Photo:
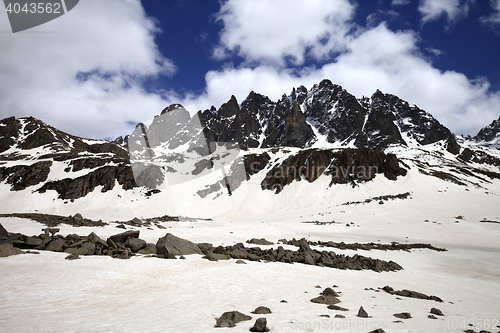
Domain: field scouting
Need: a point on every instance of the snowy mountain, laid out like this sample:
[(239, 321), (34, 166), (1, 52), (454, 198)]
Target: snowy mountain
[(216, 158)]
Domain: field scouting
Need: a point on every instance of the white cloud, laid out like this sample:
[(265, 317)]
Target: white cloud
[(111, 42), (261, 30), (400, 2), (493, 20), (432, 10)]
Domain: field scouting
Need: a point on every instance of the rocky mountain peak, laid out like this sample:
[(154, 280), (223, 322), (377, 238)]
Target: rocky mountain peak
[(490, 133)]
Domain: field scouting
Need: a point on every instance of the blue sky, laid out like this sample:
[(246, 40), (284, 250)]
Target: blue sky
[(106, 65)]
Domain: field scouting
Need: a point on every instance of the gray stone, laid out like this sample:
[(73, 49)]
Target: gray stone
[(339, 316), (261, 310), (403, 315), (239, 261), (437, 312), (325, 299), (7, 249), (378, 330), (86, 249), (122, 237), (135, 244), (329, 292), (51, 231), (149, 248), (56, 245), (231, 318), (260, 325), (169, 246), (260, 241), (337, 308), (97, 240), (72, 257), (33, 241), (362, 313), (238, 254)]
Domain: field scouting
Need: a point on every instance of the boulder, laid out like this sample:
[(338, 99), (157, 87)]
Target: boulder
[(135, 244), (56, 245), (329, 292), (149, 248), (261, 241), (231, 318), (122, 237), (86, 249), (378, 330), (328, 300), (72, 257), (51, 231), (97, 240), (3, 232), (362, 313), (32, 242), (261, 310), (437, 312), (7, 249), (260, 325), (169, 246), (403, 315), (337, 308)]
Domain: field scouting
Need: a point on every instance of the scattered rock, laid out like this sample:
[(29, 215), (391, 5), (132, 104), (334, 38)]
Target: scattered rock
[(337, 308), (328, 300), (411, 294), (329, 292), (7, 249), (437, 312), (261, 310), (362, 313), (72, 257), (261, 241), (239, 261), (283, 301), (51, 231), (325, 315), (431, 317), (231, 318), (149, 248), (379, 330), (121, 226), (403, 315), (260, 325), (339, 316)]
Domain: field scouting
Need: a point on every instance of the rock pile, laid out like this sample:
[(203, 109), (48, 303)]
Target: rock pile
[(304, 255)]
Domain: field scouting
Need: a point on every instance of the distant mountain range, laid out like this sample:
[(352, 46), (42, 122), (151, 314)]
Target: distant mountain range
[(317, 131)]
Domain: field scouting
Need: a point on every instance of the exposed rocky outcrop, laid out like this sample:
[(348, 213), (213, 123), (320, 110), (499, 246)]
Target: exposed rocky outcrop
[(346, 166), (490, 133), (304, 255), (54, 220)]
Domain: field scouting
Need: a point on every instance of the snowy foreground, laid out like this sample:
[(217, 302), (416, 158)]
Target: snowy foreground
[(46, 293)]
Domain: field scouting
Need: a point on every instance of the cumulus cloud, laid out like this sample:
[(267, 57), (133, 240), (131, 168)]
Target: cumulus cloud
[(272, 31), (454, 10), (400, 2), (83, 72)]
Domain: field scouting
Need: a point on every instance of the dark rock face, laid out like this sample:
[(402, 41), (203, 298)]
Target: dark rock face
[(231, 318), (170, 246), (344, 166), (490, 132), (23, 176), (74, 188)]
